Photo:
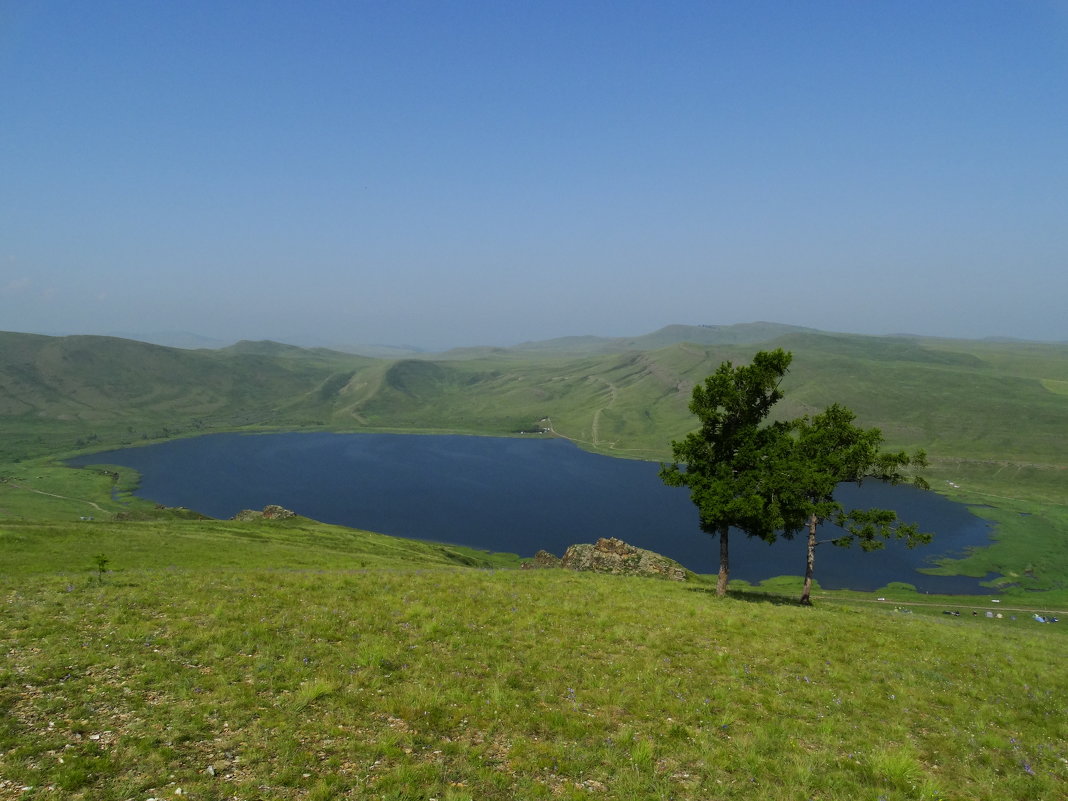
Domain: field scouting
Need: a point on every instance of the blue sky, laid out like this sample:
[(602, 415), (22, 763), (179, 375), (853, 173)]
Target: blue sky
[(486, 173)]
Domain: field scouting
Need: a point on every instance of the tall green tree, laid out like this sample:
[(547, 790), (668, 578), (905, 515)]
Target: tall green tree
[(827, 450), (727, 463)]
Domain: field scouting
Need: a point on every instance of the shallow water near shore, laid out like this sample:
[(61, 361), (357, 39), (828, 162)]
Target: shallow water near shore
[(520, 495)]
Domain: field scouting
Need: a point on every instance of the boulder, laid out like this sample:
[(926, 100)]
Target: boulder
[(542, 559), (270, 512), (611, 555)]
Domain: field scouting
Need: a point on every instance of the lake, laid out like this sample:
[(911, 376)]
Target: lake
[(519, 495)]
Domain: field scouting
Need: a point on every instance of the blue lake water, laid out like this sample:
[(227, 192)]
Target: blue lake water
[(519, 495)]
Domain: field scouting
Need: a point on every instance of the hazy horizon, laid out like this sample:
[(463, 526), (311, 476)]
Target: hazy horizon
[(193, 340), (440, 175)]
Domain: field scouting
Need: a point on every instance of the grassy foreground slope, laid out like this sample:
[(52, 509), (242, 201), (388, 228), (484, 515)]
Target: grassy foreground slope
[(331, 665)]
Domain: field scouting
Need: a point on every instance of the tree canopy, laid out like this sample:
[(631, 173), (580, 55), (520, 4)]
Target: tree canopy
[(768, 479), (726, 463), (824, 451)]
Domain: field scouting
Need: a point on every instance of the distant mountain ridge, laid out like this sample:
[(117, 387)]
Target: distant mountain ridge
[(737, 334), (172, 339), (703, 334)]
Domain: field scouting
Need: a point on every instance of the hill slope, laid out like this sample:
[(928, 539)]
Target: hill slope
[(739, 334), (397, 677), (57, 391)]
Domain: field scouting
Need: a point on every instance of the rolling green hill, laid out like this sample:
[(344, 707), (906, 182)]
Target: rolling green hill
[(59, 392), (955, 398), (992, 416), (741, 334)]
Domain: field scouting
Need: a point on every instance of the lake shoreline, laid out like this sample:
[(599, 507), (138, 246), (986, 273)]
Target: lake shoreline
[(460, 477)]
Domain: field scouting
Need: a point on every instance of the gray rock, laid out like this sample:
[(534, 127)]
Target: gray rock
[(542, 559), (270, 512), (611, 555)]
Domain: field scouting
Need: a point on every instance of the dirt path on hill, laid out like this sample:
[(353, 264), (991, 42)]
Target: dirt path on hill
[(94, 504), (613, 392)]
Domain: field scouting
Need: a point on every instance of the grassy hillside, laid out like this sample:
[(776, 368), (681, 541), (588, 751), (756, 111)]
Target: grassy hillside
[(741, 334), (992, 416), (59, 393), (150, 653), (191, 667), (169, 539), (963, 401)]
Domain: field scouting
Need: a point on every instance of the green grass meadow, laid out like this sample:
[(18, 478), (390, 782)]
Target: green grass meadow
[(424, 681)]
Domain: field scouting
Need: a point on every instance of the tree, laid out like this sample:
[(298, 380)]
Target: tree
[(827, 450), (727, 463)]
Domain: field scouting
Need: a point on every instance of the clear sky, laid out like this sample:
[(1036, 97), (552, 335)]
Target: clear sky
[(446, 173)]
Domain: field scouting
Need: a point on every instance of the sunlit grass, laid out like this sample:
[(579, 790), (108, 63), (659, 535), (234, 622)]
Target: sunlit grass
[(457, 683)]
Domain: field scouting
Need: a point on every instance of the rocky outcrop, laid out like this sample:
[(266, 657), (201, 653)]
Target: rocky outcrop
[(270, 512), (611, 555), (543, 559)]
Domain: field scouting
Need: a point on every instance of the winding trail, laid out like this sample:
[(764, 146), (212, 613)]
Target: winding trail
[(595, 425), (613, 392), (94, 504)]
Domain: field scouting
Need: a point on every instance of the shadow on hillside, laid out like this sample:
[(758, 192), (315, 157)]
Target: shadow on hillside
[(753, 597)]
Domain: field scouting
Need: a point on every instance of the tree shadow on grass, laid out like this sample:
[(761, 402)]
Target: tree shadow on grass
[(753, 597)]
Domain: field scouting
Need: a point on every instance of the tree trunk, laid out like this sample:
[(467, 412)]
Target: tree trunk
[(724, 562), (810, 561)]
